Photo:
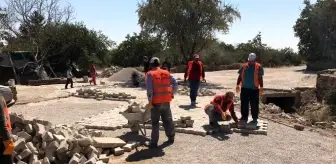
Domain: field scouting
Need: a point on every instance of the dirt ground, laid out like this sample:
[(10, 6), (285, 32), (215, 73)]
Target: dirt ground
[(282, 144)]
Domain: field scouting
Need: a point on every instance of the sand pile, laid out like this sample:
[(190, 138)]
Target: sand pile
[(123, 75)]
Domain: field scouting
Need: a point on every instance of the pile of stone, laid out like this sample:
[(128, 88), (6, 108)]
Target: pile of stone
[(270, 108), (38, 142), (184, 90), (100, 95), (107, 72), (184, 122)]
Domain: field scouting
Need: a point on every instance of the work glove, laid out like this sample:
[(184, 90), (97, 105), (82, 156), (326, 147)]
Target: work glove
[(261, 90), (223, 116), (237, 89), (9, 147)]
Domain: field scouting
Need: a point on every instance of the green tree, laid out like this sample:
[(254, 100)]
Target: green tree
[(188, 25), (316, 28), (131, 51)]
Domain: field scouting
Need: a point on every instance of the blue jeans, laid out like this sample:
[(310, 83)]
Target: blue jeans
[(193, 86)]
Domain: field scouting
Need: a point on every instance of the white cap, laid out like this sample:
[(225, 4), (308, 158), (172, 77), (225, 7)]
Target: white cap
[(154, 59), (252, 57)]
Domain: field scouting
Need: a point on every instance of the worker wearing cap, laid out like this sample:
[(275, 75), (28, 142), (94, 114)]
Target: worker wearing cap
[(221, 108), (161, 87), (7, 143), (250, 80), (194, 74)]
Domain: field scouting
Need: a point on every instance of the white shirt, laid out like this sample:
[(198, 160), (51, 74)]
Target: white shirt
[(69, 74)]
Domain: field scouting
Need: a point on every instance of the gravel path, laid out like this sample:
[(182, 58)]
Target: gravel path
[(64, 111), (281, 145)]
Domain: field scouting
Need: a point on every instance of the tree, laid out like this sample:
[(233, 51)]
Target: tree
[(316, 28), (19, 11), (131, 51), (188, 25)]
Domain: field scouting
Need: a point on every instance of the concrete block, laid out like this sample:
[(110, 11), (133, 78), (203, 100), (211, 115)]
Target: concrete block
[(118, 151), (63, 147), (19, 144), (53, 145), (128, 147), (107, 142), (29, 128), (83, 160), (76, 149), (32, 148), (15, 137), (62, 157), (85, 141), (39, 128), (47, 137), (44, 145), (16, 130), (92, 155), (101, 162), (25, 135), (106, 151), (104, 158), (189, 123), (93, 149), (21, 162)]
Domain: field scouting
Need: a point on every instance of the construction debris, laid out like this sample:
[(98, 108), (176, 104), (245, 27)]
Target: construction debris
[(99, 95), (38, 142), (108, 72), (184, 122), (271, 108), (184, 90)]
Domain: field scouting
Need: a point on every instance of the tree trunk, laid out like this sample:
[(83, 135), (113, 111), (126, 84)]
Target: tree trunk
[(14, 71)]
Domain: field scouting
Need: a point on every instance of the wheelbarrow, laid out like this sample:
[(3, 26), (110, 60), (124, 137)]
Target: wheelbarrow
[(138, 121)]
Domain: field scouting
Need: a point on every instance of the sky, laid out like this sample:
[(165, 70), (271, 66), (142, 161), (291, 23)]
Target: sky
[(273, 18)]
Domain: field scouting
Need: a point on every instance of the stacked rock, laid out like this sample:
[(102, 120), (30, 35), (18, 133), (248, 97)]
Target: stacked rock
[(38, 142), (184, 90), (184, 122), (110, 71), (99, 95)]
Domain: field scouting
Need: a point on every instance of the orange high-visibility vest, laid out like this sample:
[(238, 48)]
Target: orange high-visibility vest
[(162, 90), (190, 64), (256, 74), (6, 113), (222, 98)]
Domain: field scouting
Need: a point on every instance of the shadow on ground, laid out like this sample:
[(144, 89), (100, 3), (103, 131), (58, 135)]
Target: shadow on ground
[(215, 133)]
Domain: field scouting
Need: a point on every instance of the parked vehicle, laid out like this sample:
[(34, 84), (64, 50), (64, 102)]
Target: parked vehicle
[(7, 94)]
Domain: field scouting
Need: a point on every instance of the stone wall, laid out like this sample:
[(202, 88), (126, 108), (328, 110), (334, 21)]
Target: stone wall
[(324, 83)]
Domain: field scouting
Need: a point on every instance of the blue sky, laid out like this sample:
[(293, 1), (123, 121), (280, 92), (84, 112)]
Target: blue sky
[(273, 18)]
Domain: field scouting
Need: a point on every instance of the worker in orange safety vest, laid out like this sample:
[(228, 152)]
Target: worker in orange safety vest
[(221, 108), (250, 85), (161, 87), (7, 143), (194, 74)]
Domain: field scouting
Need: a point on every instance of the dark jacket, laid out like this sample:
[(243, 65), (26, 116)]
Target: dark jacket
[(195, 72), (146, 66), (166, 65)]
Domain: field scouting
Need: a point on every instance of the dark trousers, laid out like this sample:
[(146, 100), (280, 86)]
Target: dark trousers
[(215, 116), (249, 97), (163, 111), (193, 86), (69, 81), (4, 159)]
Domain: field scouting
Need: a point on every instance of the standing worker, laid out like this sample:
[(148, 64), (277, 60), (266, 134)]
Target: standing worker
[(69, 78), (93, 73), (250, 80), (161, 87), (166, 65), (146, 64), (7, 143), (219, 107), (194, 74)]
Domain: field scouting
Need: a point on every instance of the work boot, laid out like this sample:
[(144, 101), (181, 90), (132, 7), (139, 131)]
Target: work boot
[(151, 145), (171, 140), (254, 121), (214, 124), (193, 104)]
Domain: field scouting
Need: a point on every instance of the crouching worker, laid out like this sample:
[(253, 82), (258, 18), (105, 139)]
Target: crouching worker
[(161, 87), (221, 108), (7, 143)]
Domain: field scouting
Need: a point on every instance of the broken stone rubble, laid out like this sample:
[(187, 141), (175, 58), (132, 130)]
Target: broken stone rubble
[(99, 95), (58, 144)]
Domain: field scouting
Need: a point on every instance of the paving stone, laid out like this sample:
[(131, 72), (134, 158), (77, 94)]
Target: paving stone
[(106, 151), (47, 136), (53, 145), (29, 128), (83, 160), (101, 162), (91, 161), (15, 137), (62, 157), (45, 161), (118, 151), (74, 160), (24, 154), (107, 142), (84, 141), (104, 158), (21, 162), (189, 123), (63, 147), (25, 135), (128, 147), (19, 144), (40, 129), (32, 148)]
